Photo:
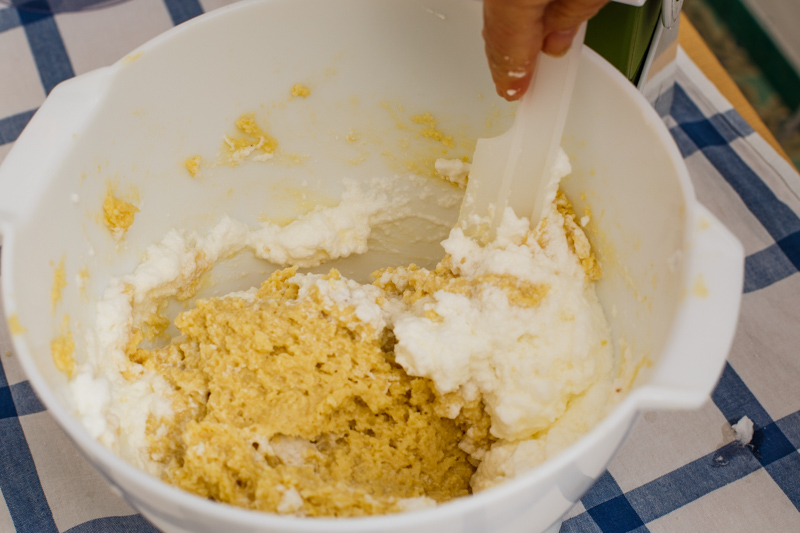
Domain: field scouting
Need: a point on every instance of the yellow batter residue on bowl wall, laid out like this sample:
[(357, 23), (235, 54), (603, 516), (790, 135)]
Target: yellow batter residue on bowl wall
[(62, 348), (59, 282), (118, 215), (700, 289), (430, 131), (130, 58), (425, 143), (15, 326), (352, 136)]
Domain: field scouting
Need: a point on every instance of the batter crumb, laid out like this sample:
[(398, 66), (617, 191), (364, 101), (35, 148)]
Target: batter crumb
[(236, 150), (192, 164), (577, 239), (298, 89), (59, 282), (118, 214), (62, 349)]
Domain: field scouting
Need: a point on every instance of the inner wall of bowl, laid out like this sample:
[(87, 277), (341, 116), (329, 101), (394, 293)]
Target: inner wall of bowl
[(370, 66), (625, 179)]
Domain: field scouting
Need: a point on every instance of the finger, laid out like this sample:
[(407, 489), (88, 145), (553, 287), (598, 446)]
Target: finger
[(513, 32), (557, 43), (562, 15), (561, 21)]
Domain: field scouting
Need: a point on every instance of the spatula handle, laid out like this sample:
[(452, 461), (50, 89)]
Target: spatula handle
[(513, 169), (529, 185)]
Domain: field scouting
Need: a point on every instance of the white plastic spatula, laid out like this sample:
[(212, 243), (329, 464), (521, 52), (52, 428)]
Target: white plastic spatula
[(513, 168)]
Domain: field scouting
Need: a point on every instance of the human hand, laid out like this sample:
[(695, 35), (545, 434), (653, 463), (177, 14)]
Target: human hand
[(516, 30)]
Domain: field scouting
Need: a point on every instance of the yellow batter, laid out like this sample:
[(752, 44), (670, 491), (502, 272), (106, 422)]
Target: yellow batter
[(291, 405), (294, 405), (577, 239)]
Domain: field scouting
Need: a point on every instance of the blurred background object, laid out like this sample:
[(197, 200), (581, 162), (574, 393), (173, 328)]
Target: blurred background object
[(758, 44), (640, 38), (57, 6)]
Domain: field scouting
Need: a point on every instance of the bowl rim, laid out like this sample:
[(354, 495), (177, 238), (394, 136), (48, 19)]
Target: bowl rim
[(106, 461)]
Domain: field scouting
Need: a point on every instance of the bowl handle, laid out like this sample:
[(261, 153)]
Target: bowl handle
[(706, 320), (40, 149)]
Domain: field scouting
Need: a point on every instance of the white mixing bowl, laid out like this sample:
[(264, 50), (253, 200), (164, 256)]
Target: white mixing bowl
[(673, 273)]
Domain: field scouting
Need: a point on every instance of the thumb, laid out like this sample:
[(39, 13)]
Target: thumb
[(561, 21)]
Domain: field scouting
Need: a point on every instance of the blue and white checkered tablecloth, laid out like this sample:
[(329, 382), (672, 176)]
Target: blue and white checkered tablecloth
[(677, 472)]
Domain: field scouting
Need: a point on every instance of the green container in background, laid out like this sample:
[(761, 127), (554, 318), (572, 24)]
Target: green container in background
[(622, 34)]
